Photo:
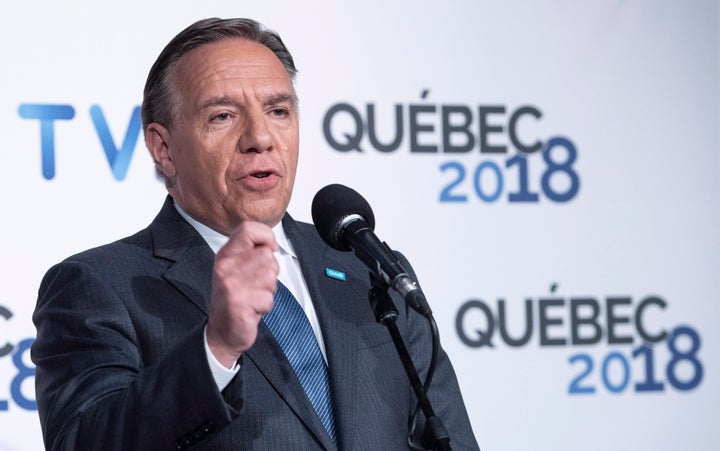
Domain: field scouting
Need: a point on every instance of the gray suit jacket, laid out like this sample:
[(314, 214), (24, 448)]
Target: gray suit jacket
[(121, 363)]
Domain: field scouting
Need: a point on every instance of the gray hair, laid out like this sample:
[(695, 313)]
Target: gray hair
[(158, 102)]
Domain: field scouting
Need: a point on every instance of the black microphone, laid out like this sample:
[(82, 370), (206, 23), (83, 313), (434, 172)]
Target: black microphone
[(344, 219)]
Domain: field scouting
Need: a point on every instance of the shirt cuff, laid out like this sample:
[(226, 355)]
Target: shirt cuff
[(221, 375)]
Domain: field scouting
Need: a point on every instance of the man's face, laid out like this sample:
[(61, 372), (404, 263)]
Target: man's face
[(231, 151)]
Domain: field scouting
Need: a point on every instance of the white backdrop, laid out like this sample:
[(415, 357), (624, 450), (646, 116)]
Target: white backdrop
[(607, 234)]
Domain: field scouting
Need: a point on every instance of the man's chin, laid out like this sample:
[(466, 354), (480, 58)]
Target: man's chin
[(270, 218)]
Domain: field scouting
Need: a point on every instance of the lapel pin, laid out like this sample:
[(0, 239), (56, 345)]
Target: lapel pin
[(335, 274)]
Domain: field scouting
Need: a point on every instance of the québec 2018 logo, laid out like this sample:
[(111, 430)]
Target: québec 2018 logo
[(453, 130), (578, 321)]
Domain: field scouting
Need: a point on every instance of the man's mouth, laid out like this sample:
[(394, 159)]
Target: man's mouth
[(261, 175)]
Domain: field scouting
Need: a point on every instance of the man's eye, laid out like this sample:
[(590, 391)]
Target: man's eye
[(279, 112), (222, 117)]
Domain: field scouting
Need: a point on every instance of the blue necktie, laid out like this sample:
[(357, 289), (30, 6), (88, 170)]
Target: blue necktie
[(290, 327)]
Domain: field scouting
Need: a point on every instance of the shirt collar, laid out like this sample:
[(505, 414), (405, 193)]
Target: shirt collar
[(216, 240)]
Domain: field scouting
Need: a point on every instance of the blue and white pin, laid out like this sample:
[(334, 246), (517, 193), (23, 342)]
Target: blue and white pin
[(335, 274)]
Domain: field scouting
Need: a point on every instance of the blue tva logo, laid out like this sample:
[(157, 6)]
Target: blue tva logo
[(118, 157)]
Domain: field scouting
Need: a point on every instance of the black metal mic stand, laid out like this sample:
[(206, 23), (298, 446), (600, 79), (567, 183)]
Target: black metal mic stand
[(435, 436)]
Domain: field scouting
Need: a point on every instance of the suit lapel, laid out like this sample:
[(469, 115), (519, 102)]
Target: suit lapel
[(270, 360), (192, 259), (339, 314)]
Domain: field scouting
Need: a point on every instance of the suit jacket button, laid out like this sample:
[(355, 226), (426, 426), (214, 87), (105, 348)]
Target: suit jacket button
[(208, 426), (184, 443)]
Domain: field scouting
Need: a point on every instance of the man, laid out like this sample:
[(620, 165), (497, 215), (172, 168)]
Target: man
[(165, 340)]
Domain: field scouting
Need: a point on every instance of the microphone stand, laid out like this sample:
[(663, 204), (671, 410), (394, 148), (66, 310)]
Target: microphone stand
[(435, 436)]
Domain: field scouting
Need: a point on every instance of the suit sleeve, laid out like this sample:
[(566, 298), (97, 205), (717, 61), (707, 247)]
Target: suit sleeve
[(93, 389)]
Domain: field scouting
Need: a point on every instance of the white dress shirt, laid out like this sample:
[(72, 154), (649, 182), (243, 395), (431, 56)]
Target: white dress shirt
[(290, 275)]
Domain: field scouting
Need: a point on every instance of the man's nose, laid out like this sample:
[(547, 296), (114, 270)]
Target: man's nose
[(255, 135)]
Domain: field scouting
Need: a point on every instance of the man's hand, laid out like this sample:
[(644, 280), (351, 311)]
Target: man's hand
[(243, 286)]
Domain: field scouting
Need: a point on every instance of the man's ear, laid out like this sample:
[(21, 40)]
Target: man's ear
[(157, 139)]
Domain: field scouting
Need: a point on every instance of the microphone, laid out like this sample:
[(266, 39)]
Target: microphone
[(345, 221)]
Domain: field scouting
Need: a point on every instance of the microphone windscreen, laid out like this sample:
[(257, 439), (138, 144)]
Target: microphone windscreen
[(331, 206)]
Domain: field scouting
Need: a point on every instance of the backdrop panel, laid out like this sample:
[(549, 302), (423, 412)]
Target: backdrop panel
[(550, 168)]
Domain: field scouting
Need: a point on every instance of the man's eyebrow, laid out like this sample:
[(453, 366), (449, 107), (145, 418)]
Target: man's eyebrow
[(217, 101), (284, 97)]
